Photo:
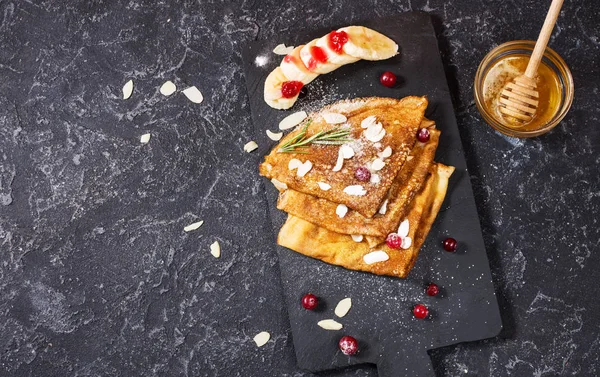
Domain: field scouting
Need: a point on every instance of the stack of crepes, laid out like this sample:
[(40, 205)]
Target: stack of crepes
[(338, 216)]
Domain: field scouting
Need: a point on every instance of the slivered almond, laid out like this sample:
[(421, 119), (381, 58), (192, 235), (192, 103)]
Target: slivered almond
[(383, 208), (403, 228), (294, 163), (347, 151), (343, 307), (341, 210), (279, 185), (375, 178), (368, 121), (357, 237), (378, 164), (304, 168), (281, 49), (262, 338), (145, 138), (127, 89), (406, 242), (193, 94), (330, 324), (215, 249), (167, 88), (355, 190), (250, 146), (324, 186), (376, 257), (334, 118), (292, 120), (275, 136), (193, 226), (340, 161), (387, 152)]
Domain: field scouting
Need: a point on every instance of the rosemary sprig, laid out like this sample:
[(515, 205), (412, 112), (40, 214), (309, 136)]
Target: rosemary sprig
[(335, 136)]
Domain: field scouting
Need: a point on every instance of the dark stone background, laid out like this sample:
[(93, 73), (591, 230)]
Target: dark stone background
[(97, 277)]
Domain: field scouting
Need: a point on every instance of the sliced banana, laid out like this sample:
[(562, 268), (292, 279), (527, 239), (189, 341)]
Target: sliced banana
[(272, 91), (314, 64), (294, 69), (365, 43), (332, 56)]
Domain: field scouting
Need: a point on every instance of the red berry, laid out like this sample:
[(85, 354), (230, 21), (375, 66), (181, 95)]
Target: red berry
[(362, 174), (450, 244), (420, 311), (432, 289), (337, 40), (388, 79), (423, 135), (348, 345), (393, 240), (309, 301), (290, 89)]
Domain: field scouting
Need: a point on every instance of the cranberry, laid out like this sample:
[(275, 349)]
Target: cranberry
[(348, 345), (362, 174), (309, 301), (393, 240), (290, 89), (423, 135), (432, 289), (337, 40), (450, 244), (388, 79), (420, 311)]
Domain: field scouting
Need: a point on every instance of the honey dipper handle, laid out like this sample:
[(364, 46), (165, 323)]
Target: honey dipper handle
[(543, 38)]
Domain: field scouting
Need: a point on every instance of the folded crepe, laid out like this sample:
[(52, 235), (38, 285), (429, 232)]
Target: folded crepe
[(340, 249), (400, 120)]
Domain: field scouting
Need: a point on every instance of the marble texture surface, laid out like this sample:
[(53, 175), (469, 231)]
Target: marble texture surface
[(97, 276)]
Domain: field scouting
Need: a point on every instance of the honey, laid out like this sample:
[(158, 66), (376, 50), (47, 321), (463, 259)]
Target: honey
[(504, 71)]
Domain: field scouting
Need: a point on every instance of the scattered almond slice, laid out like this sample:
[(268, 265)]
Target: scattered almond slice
[(378, 164), (374, 133), (341, 210), (340, 161), (294, 163), (281, 49), (262, 338), (292, 120), (168, 88), (368, 121), (355, 190), (403, 228), (127, 89), (330, 324), (383, 208), (215, 249), (193, 226), (347, 151), (357, 237), (409, 158), (304, 168), (324, 186), (145, 138), (250, 146), (334, 118), (375, 179), (376, 257), (275, 136), (343, 307), (387, 152), (193, 94), (279, 185), (406, 242)]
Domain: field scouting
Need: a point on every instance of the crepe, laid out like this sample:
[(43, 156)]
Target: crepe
[(400, 119), (407, 183), (340, 249)]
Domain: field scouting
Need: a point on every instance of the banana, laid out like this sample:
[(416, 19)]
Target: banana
[(315, 58), (294, 69), (272, 91), (335, 57), (365, 43)]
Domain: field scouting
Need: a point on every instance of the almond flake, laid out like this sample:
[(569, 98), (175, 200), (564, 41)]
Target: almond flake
[(168, 88), (340, 161), (341, 210), (193, 94), (387, 152), (294, 164), (304, 168), (368, 121), (375, 179), (406, 242), (343, 307), (215, 249), (378, 164), (324, 186), (193, 226), (334, 118), (262, 338), (250, 146), (383, 208), (279, 185), (355, 190), (145, 138), (375, 257), (357, 237), (281, 49), (292, 120), (375, 132), (330, 324), (403, 228), (409, 158), (127, 89), (377, 145), (347, 151), (275, 136)]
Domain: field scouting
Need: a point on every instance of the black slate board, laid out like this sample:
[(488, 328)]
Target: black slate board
[(381, 316)]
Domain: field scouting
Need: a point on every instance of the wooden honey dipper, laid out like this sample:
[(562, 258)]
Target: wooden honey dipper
[(519, 98)]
